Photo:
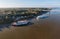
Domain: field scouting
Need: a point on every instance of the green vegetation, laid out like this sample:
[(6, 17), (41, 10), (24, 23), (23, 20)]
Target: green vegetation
[(11, 15)]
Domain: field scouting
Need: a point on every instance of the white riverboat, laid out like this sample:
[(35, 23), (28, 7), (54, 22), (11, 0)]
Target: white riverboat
[(21, 22)]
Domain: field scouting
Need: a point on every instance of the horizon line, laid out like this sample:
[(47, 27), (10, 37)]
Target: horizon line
[(29, 7)]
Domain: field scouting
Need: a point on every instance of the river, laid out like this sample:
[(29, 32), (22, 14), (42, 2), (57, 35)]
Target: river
[(47, 28)]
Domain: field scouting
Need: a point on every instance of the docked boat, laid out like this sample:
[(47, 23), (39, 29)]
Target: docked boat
[(21, 23)]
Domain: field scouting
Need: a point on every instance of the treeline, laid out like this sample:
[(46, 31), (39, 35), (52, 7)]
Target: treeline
[(22, 14)]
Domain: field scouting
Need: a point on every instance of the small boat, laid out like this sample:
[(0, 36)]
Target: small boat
[(21, 23), (42, 17)]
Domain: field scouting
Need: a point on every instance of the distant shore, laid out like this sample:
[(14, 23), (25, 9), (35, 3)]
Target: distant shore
[(9, 15)]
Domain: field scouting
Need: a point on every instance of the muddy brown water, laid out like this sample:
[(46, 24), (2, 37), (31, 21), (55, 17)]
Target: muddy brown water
[(42, 29)]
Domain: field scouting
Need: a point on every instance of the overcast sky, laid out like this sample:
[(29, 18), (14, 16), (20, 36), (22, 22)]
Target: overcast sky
[(29, 3)]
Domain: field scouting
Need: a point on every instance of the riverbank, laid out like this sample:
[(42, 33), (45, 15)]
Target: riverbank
[(42, 29), (26, 13)]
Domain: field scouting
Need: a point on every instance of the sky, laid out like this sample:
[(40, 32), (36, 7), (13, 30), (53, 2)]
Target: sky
[(29, 3)]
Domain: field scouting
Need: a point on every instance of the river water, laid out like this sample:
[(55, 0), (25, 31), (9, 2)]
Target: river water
[(47, 28)]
